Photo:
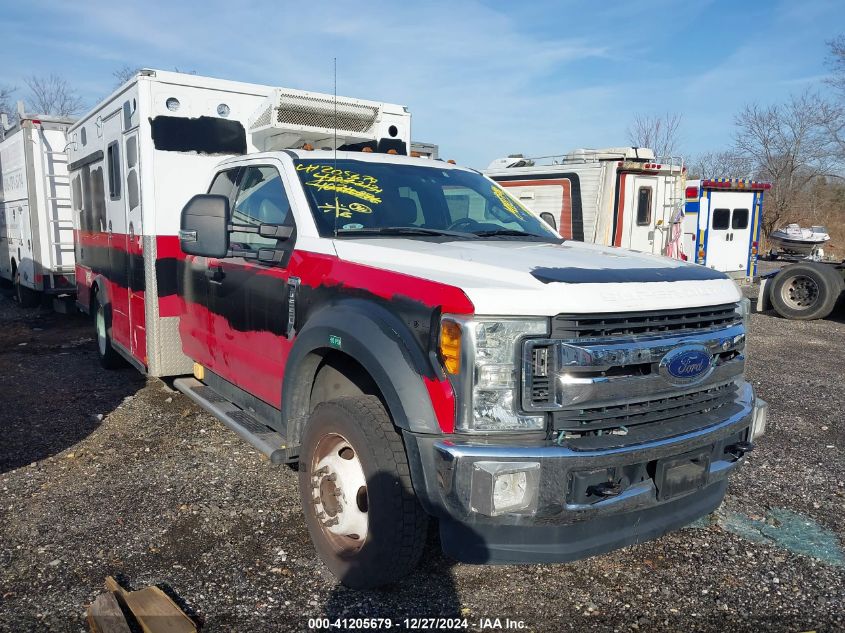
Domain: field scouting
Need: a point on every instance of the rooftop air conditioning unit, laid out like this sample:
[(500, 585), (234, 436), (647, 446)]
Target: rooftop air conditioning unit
[(289, 118)]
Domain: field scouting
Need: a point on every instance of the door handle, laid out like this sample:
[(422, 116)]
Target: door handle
[(215, 275)]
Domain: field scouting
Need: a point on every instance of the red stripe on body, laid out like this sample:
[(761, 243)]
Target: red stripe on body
[(255, 360), (620, 215)]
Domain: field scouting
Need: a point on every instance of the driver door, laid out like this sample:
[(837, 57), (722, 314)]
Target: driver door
[(248, 299)]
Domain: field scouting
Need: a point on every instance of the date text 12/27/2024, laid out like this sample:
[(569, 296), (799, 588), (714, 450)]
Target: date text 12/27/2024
[(414, 624)]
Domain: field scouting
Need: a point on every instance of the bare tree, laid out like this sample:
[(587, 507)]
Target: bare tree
[(6, 93), (658, 132), (124, 74), (53, 95), (836, 63), (791, 146), (721, 165)]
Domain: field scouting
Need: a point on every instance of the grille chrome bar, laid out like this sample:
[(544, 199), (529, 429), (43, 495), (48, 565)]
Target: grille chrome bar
[(627, 324), (606, 373)]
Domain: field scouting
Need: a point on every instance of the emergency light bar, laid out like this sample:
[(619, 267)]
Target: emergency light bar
[(290, 118), (735, 183), (630, 165)]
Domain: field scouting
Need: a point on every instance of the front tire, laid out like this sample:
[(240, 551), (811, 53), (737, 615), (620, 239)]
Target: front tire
[(109, 358), (354, 482), (806, 291)]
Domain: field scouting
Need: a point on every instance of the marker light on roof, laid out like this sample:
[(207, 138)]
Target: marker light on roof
[(223, 110), (172, 104)]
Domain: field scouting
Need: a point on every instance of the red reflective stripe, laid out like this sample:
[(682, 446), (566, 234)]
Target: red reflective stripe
[(620, 215)]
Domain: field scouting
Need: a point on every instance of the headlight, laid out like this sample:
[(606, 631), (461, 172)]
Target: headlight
[(487, 374), (744, 310)]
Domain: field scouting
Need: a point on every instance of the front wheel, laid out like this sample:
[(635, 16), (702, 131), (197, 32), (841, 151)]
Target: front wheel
[(354, 481)]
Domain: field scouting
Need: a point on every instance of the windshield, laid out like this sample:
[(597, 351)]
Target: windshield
[(351, 197)]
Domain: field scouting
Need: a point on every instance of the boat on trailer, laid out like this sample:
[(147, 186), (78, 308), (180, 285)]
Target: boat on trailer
[(794, 240)]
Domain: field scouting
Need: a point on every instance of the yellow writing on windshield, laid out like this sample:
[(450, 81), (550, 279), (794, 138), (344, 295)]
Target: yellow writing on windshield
[(344, 211), (510, 205), (350, 183)]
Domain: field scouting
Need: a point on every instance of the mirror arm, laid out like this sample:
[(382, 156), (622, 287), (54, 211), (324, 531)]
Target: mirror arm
[(278, 231)]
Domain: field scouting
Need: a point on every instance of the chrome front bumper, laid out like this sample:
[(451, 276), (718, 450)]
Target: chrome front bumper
[(563, 521), (447, 478)]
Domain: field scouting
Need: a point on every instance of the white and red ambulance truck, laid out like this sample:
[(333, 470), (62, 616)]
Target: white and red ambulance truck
[(36, 227), (618, 196), (416, 339), (722, 223)]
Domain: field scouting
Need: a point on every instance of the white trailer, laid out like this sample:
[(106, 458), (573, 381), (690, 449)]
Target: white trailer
[(36, 228), (138, 157), (722, 220), (619, 196)]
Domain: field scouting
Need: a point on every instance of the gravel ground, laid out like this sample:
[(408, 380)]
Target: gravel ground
[(108, 473)]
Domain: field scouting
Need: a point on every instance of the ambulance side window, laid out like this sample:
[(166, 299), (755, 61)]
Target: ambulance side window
[(644, 206), (261, 199), (721, 219), (113, 156), (739, 219)]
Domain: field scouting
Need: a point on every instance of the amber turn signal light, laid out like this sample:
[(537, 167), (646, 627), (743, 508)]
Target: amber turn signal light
[(450, 346)]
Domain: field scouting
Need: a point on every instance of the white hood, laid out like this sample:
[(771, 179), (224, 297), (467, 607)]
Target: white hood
[(504, 277)]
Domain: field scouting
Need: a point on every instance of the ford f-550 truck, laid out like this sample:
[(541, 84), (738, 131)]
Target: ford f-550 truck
[(422, 345)]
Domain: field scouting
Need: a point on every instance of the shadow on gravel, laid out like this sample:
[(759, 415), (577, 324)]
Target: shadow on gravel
[(53, 391)]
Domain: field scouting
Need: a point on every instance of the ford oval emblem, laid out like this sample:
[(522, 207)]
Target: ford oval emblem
[(686, 365)]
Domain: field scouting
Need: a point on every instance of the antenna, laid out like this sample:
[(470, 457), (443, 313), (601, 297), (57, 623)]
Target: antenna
[(334, 171)]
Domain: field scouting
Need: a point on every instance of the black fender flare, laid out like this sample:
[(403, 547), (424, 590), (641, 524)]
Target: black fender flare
[(383, 345)]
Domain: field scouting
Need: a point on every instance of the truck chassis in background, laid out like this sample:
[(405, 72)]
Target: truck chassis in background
[(803, 291)]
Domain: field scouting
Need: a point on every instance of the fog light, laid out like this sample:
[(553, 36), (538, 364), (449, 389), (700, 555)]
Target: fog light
[(760, 418), (503, 487)]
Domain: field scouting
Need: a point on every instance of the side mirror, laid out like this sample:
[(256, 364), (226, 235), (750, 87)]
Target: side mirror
[(204, 226), (549, 219)]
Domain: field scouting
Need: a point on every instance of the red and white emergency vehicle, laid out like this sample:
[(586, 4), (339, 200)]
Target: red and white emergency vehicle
[(416, 339), (36, 227), (618, 196), (722, 222)]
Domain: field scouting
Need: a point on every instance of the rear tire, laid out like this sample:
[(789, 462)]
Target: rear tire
[(109, 358), (27, 297), (354, 482), (806, 291)]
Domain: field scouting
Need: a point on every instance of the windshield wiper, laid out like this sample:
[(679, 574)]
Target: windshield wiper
[(403, 230)]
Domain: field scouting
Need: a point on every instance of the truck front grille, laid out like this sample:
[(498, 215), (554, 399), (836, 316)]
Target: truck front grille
[(601, 378), (621, 417), (623, 324)]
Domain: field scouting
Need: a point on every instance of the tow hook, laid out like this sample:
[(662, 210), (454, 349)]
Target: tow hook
[(606, 489), (738, 450)]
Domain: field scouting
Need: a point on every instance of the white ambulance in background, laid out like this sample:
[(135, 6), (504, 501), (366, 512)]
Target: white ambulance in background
[(722, 218), (36, 225), (618, 196)]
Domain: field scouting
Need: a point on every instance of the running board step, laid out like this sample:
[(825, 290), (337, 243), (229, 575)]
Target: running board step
[(244, 423)]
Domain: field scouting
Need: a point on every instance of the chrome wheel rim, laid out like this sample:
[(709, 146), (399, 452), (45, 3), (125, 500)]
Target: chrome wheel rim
[(339, 493), (800, 293), (101, 330)]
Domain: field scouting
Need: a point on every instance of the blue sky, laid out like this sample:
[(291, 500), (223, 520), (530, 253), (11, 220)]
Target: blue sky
[(482, 79)]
